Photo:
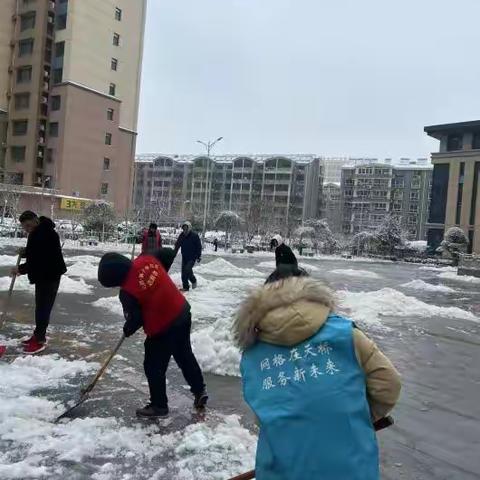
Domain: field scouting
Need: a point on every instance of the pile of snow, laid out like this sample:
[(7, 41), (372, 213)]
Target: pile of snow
[(67, 285), (271, 265), (31, 446), (438, 269), (112, 304), (21, 284), (350, 272), (83, 258), (418, 245), (222, 268), (8, 260), (83, 269), (449, 275), (427, 287), (369, 307)]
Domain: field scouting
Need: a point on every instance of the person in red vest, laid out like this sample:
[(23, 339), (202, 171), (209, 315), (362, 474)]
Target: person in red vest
[(151, 240), (151, 300)]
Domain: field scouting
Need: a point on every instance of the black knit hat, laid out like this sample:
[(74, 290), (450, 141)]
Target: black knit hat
[(113, 270)]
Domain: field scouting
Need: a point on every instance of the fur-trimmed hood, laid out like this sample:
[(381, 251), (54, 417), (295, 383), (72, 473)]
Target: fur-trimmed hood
[(283, 313)]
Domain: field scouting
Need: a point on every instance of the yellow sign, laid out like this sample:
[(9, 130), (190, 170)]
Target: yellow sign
[(73, 204)]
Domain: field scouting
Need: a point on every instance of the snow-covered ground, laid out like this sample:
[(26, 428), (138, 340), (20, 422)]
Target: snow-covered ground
[(380, 296)]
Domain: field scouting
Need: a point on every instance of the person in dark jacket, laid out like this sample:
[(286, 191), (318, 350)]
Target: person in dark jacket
[(283, 253), (151, 239), (151, 300), (191, 246), (44, 266)]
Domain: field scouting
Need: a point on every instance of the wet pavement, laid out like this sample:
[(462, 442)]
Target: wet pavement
[(437, 430)]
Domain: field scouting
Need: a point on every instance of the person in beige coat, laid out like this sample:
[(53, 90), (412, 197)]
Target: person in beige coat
[(303, 364)]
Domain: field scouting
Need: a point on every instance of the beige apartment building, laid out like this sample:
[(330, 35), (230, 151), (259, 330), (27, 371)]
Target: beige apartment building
[(69, 94), (455, 183)]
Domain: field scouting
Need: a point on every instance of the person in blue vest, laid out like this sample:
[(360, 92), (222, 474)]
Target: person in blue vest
[(315, 382)]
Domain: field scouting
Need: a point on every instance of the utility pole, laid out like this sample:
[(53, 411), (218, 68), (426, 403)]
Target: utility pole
[(208, 147)]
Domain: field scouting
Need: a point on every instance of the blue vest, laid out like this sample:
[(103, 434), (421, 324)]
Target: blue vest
[(312, 405)]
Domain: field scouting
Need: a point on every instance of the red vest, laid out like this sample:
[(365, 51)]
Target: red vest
[(158, 240), (159, 298)]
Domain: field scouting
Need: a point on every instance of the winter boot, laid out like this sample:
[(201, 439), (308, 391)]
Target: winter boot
[(34, 347), (26, 340), (201, 399), (194, 285), (183, 289), (150, 411)]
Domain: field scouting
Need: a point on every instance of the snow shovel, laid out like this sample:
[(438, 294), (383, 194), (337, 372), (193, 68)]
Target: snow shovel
[(6, 306), (85, 392), (384, 422)]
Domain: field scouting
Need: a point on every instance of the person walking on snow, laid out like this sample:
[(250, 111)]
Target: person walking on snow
[(315, 382), (151, 239), (191, 246), (283, 253), (151, 300), (44, 266)]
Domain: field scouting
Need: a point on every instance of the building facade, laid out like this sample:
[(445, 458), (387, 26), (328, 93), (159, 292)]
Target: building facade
[(269, 189), (69, 93), (455, 184), (331, 209), (370, 192)]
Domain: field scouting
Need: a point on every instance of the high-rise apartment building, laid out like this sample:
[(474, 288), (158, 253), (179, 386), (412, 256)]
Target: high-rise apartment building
[(456, 185), (69, 93), (370, 192), (283, 190)]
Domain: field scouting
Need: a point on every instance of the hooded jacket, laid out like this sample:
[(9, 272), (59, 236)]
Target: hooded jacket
[(314, 381), (44, 258), (190, 245), (292, 310)]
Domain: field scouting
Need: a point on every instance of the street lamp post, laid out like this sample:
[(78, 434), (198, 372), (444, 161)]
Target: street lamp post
[(208, 147)]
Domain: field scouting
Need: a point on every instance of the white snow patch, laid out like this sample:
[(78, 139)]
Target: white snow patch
[(112, 304), (83, 269), (69, 285), (222, 268), (351, 272), (427, 287), (459, 278), (438, 269), (21, 284), (8, 260), (83, 258), (369, 307)]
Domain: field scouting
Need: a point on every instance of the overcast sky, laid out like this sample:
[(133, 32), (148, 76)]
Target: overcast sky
[(333, 77)]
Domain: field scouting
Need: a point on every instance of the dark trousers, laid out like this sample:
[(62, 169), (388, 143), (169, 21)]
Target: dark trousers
[(45, 295), (158, 350), (187, 273)]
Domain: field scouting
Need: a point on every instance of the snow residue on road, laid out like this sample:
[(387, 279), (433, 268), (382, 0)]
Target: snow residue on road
[(83, 269), (112, 304), (369, 307), (449, 275), (69, 285), (220, 267), (427, 287), (438, 269), (21, 284), (31, 446), (350, 272)]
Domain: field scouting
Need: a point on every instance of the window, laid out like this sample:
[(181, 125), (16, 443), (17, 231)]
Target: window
[(25, 47), (114, 64), (27, 21), (57, 76), (454, 142), (397, 206), (56, 102), (413, 208), (18, 153), (108, 139), (414, 195), (112, 89), (110, 112), (106, 163), (20, 127), (24, 74), (61, 21), (476, 141), (53, 129), (59, 49), (104, 189), (461, 179), (118, 14), (116, 39), (22, 101)]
